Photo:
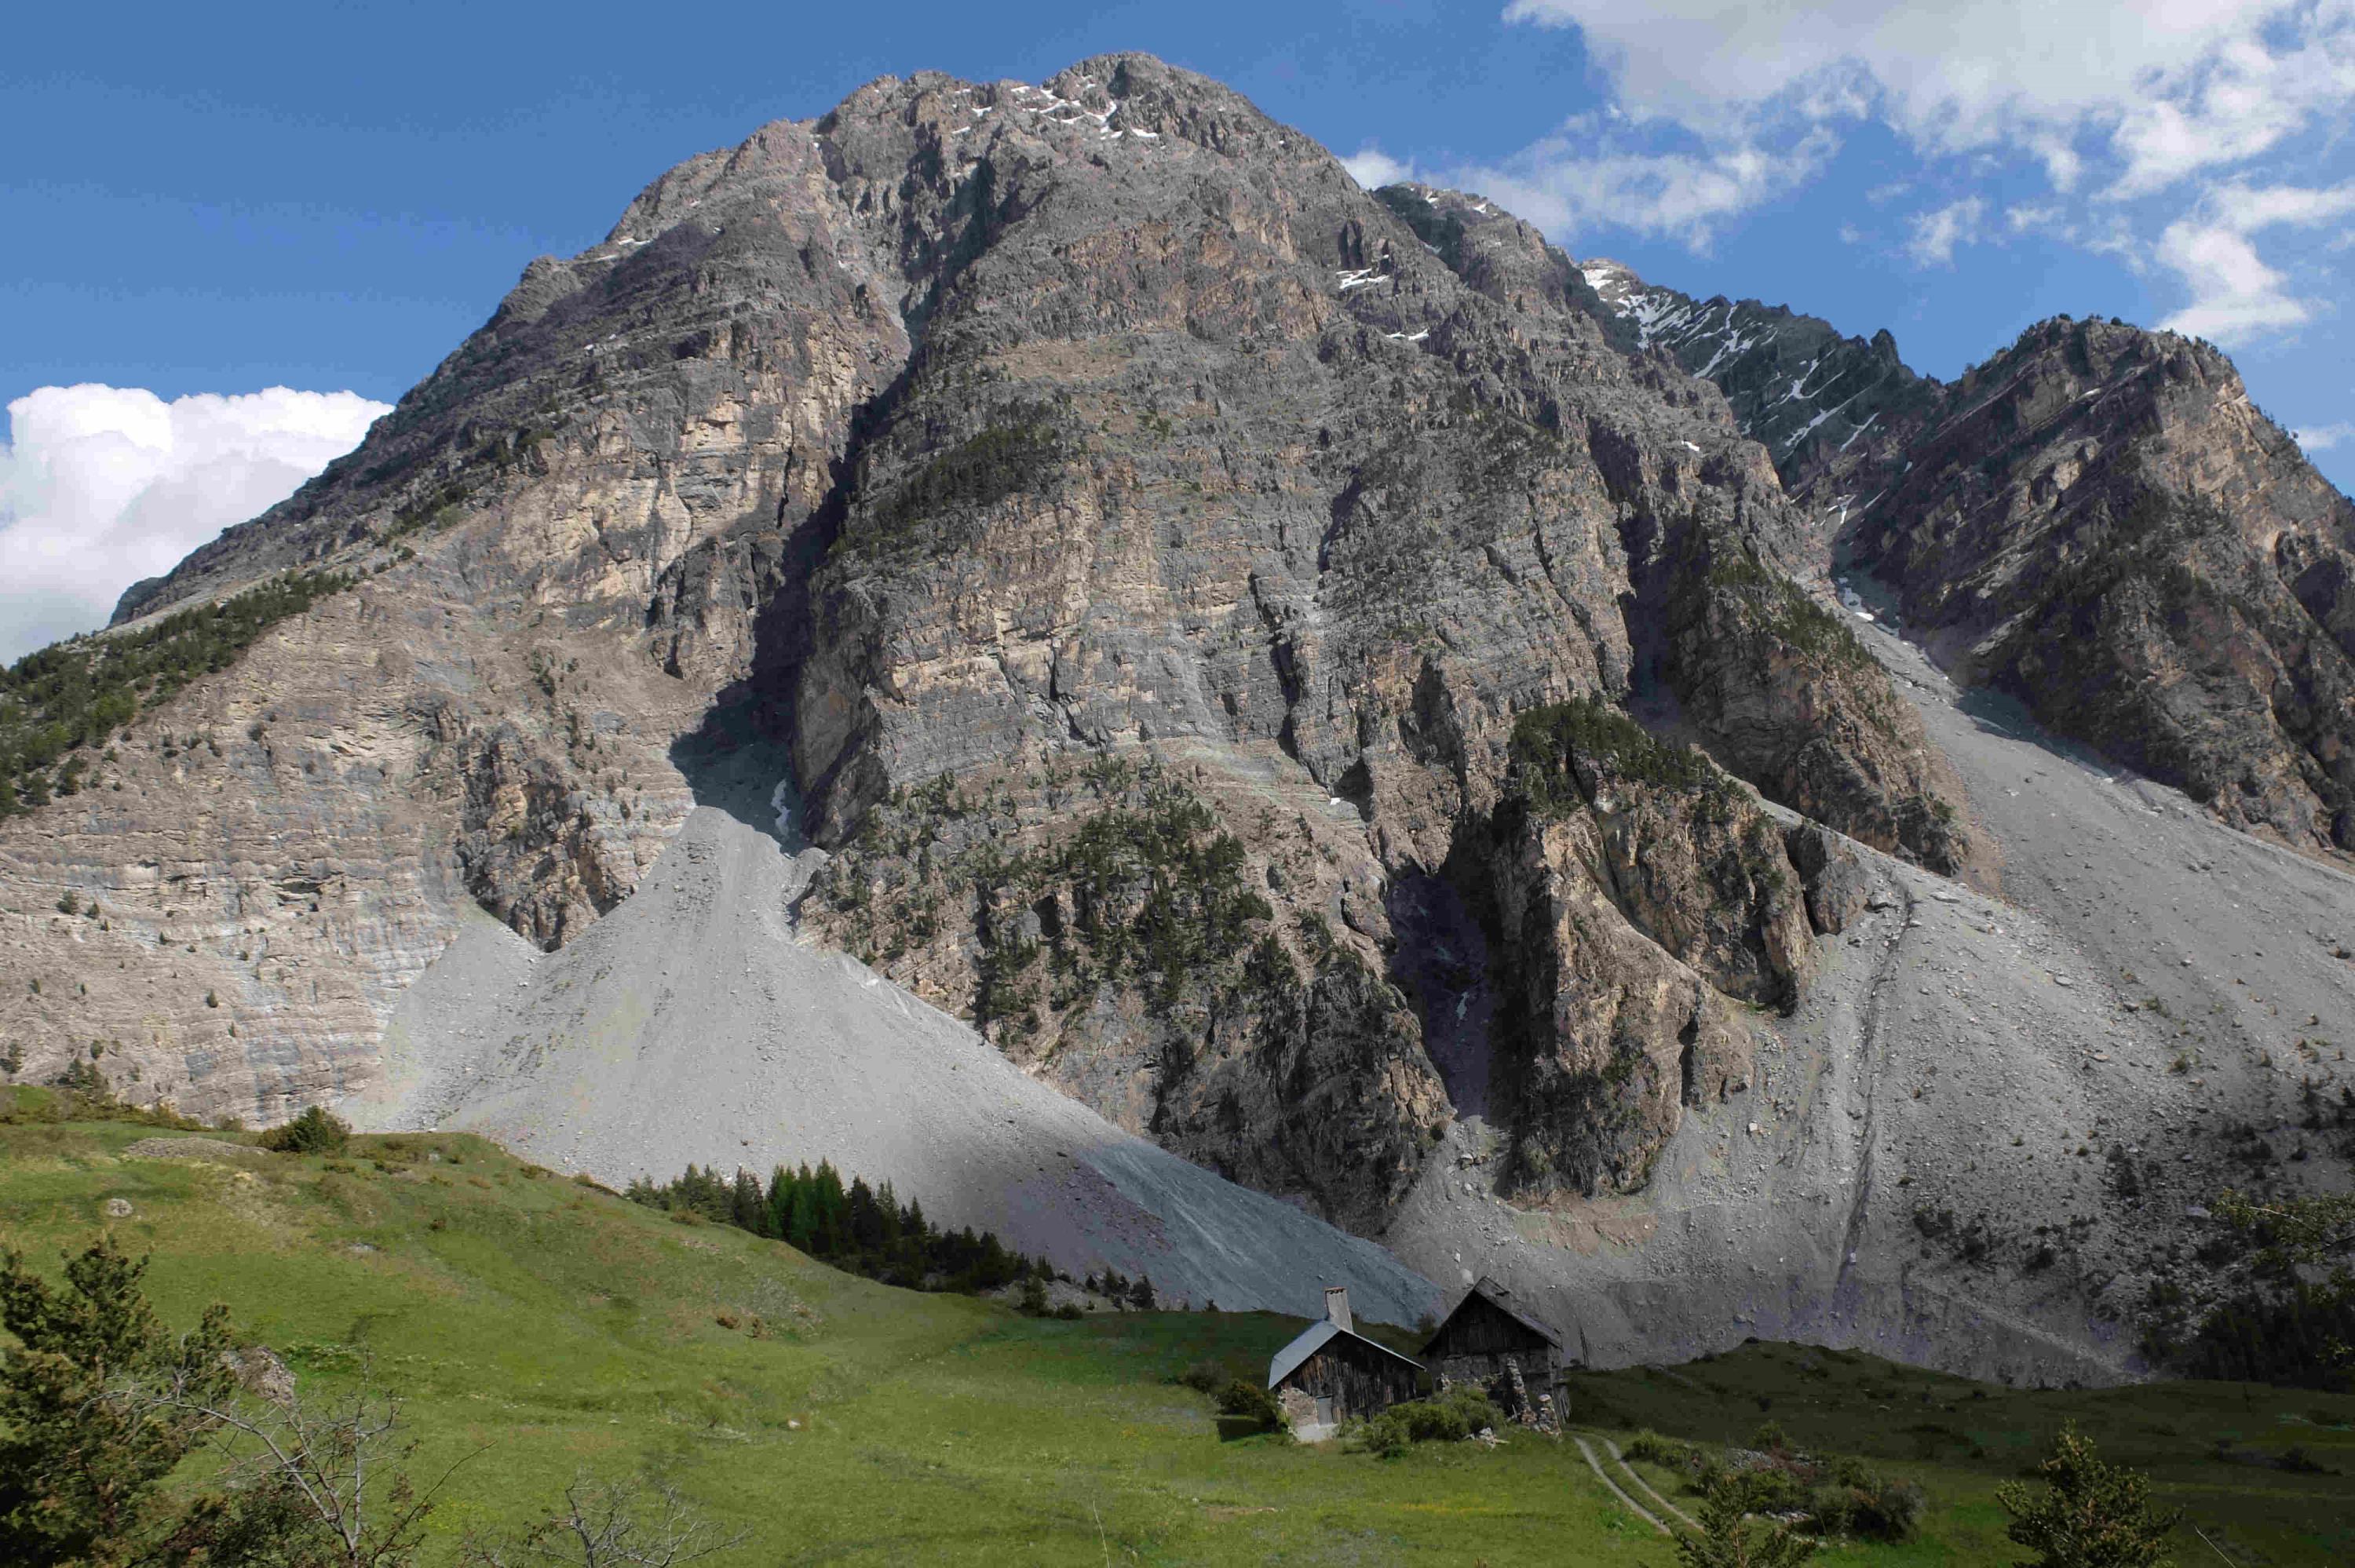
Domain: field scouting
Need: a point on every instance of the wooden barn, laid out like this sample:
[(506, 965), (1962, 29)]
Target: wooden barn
[(1332, 1374), (1490, 1344)]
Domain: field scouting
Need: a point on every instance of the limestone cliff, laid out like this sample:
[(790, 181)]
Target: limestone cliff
[(2098, 520), (1139, 544)]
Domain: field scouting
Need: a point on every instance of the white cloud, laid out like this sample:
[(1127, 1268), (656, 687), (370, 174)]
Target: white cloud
[(1586, 175), (2236, 294), (1372, 168), (2322, 438), (1936, 233), (2113, 101), (1958, 74), (101, 486)]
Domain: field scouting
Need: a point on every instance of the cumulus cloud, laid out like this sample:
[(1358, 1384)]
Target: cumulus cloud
[(1579, 177), (1936, 233), (101, 486), (1372, 168), (2322, 438), (1956, 74), (2115, 101), (2236, 294)]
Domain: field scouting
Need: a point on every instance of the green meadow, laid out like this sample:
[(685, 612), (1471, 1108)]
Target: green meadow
[(539, 1328)]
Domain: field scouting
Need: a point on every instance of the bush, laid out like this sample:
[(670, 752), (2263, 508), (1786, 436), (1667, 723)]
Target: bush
[(2085, 1501), (1202, 1376), (1729, 1538), (315, 1131), (1248, 1400), (1862, 1502), (1384, 1435), (1451, 1418), (1653, 1448)]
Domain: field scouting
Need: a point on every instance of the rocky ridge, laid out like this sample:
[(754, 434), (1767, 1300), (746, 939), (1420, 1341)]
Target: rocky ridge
[(1203, 603), (2098, 520)]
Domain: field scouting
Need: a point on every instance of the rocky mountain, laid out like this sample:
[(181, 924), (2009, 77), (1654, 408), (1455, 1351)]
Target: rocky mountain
[(2098, 520), (1796, 385), (1318, 678)]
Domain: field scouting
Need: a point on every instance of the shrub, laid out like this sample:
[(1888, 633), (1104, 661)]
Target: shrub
[(1451, 1418), (1248, 1400), (1653, 1448), (1860, 1501), (315, 1131), (1384, 1435), (1202, 1376), (1728, 1539)]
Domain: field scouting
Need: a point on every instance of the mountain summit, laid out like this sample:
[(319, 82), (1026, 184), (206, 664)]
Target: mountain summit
[(1319, 678)]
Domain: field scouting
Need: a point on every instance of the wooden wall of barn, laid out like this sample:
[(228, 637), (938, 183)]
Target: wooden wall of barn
[(1359, 1381)]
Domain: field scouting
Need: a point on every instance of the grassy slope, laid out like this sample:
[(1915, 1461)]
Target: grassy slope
[(566, 1328)]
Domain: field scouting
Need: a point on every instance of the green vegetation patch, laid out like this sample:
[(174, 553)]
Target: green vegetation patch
[(1138, 884), (859, 1229), (1784, 611), (1562, 754), (933, 508), (539, 1329), (58, 703)]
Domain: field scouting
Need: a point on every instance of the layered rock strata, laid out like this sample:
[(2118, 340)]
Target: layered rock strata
[(975, 435)]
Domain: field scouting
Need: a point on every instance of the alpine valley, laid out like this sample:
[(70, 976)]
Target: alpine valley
[(1038, 642)]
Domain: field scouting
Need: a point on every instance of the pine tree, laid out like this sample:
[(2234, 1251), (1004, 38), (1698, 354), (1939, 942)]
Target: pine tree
[(83, 1440), (2093, 1515), (833, 1206), (746, 1210), (1728, 1539), (866, 1220), (779, 1222), (801, 1224)]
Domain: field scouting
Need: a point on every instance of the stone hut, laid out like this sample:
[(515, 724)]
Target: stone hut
[(1332, 1374), (1490, 1344)]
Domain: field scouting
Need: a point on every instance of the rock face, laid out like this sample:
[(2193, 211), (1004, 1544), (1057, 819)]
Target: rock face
[(1335, 687), (1796, 385), (2101, 522), (2098, 521), (1142, 545)]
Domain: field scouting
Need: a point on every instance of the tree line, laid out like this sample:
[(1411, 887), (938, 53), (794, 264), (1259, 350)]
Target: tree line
[(60, 702), (856, 1228)]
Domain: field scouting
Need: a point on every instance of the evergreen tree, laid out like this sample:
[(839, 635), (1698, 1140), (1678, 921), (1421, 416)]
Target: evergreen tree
[(84, 1434), (833, 1206), (865, 1221), (2091, 1515), (1728, 1539), (747, 1209), (779, 1224), (801, 1225)]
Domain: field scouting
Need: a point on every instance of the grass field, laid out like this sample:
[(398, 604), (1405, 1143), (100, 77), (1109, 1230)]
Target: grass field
[(556, 1328)]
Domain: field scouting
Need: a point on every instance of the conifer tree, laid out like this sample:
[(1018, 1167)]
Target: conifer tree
[(2091, 1514), (82, 1450), (747, 1211)]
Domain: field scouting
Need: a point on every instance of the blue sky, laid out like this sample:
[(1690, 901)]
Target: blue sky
[(206, 204)]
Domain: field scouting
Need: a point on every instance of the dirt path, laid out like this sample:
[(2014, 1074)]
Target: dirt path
[(1639, 1510), (1973, 1143), (1649, 1490)]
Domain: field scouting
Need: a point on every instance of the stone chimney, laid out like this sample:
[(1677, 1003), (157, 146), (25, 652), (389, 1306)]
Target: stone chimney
[(1337, 1307)]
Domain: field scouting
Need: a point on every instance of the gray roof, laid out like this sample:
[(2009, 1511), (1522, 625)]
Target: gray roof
[(1501, 1299), (1313, 1339)]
